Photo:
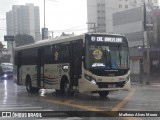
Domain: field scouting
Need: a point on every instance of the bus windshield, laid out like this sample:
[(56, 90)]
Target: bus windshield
[(107, 56)]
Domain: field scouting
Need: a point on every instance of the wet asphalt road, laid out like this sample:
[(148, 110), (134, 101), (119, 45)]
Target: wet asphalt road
[(140, 98)]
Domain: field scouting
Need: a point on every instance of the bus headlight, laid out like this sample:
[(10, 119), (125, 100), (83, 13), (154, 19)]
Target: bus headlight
[(89, 78), (5, 75), (124, 79), (93, 81)]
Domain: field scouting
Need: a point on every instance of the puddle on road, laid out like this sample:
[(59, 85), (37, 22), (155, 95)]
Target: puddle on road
[(43, 92)]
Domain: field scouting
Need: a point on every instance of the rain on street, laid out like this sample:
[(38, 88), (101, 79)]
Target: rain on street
[(138, 98)]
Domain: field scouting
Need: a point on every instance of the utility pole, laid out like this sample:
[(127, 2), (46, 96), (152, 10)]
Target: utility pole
[(94, 26), (148, 26), (148, 56), (51, 33), (44, 15), (44, 30)]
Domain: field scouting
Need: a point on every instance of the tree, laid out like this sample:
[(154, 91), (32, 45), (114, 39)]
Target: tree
[(23, 39), (1, 46), (1, 49)]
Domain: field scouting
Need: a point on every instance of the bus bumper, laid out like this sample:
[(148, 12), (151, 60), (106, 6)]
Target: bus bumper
[(87, 86)]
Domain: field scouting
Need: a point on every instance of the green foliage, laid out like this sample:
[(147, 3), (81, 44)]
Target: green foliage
[(23, 39), (1, 46)]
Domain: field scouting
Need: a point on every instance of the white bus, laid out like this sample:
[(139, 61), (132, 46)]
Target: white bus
[(93, 62)]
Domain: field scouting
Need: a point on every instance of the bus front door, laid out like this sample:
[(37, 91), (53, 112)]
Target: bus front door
[(40, 68), (75, 62)]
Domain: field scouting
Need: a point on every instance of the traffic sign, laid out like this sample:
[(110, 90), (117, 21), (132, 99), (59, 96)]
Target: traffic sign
[(8, 38)]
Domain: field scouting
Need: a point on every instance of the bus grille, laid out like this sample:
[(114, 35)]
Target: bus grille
[(106, 84), (99, 72)]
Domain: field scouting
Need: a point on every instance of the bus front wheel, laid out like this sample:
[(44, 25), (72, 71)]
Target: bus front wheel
[(103, 94), (65, 88)]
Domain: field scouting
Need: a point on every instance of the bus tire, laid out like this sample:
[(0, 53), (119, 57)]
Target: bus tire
[(103, 94), (29, 87), (58, 92), (65, 88), (71, 93), (35, 89)]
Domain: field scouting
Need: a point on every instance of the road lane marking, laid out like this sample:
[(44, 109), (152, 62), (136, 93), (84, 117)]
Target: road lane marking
[(82, 107), (94, 109), (125, 100), (39, 110), (130, 118), (68, 118), (73, 105), (70, 101), (8, 108), (14, 105)]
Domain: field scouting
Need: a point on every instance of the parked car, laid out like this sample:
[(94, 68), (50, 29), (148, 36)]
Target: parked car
[(6, 70)]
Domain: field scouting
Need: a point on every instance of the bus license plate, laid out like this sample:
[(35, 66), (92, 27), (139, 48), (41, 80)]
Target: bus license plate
[(111, 85)]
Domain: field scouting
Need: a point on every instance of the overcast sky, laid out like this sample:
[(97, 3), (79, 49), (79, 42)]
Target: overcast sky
[(61, 15)]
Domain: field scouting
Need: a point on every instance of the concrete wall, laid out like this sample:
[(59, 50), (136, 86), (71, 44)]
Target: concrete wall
[(135, 66)]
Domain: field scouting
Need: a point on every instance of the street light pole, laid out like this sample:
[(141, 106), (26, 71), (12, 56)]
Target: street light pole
[(148, 26)]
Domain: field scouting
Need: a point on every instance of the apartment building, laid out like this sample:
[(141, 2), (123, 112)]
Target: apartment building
[(23, 19), (100, 12)]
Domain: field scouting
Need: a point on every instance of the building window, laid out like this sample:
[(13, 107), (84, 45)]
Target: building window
[(120, 6), (98, 5), (126, 6), (102, 11), (102, 18), (102, 4)]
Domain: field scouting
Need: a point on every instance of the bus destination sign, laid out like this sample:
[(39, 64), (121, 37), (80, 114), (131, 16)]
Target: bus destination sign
[(107, 39)]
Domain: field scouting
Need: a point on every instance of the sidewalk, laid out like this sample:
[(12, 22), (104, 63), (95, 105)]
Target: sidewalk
[(153, 79)]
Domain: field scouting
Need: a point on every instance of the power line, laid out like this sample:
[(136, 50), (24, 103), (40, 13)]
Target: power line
[(53, 0), (74, 27), (55, 31), (69, 30)]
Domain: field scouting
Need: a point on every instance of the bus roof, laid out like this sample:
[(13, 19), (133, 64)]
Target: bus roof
[(50, 41), (59, 40)]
